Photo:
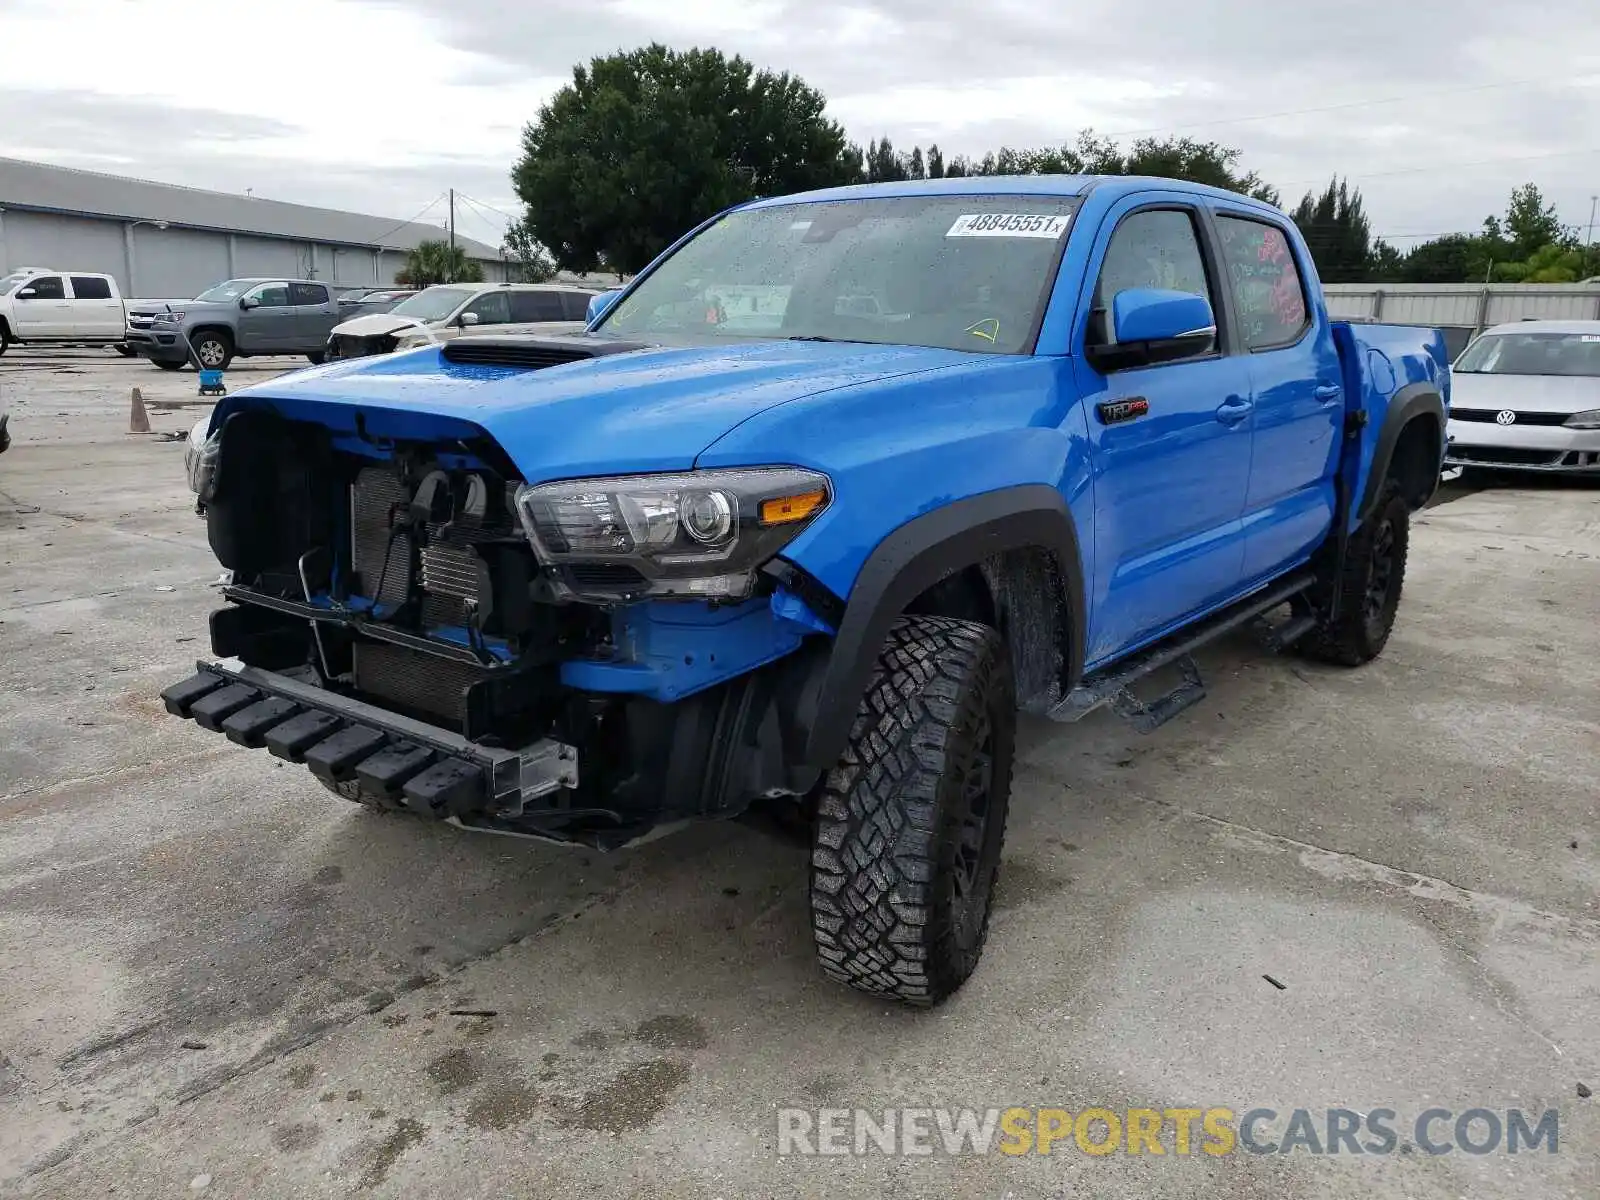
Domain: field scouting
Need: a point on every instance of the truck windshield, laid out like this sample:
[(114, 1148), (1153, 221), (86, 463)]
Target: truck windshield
[(1533, 354), (11, 281), (432, 304), (955, 272), (230, 290)]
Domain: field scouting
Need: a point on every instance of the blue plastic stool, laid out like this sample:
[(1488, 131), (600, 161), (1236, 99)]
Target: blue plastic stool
[(211, 383)]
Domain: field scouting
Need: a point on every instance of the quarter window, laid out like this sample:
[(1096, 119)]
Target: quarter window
[(1267, 288)]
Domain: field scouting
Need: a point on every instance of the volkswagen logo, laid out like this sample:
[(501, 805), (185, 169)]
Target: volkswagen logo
[(1505, 417)]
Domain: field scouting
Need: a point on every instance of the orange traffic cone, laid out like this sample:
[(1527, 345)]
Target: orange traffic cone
[(138, 419)]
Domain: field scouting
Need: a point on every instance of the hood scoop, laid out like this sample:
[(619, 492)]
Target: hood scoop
[(532, 353)]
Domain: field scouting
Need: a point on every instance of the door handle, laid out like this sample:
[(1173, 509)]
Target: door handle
[(1327, 393), (1234, 409)]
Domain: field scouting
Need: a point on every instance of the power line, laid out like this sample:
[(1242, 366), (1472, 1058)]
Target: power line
[(420, 214), (1343, 107), (509, 219), (1456, 166)]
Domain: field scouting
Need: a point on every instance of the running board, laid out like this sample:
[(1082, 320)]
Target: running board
[(1110, 685)]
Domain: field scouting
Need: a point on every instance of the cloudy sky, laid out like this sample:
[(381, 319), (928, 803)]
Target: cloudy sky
[(1435, 108)]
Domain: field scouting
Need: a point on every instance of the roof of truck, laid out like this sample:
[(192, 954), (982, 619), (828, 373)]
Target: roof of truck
[(1012, 185)]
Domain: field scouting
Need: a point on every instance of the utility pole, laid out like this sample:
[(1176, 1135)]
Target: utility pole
[(1594, 202), (451, 270)]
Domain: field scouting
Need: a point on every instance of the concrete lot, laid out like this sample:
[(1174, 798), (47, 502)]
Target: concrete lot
[(218, 979)]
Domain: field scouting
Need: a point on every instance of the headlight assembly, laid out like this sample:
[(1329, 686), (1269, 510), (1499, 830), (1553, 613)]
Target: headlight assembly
[(699, 533), (1584, 420), (200, 459)]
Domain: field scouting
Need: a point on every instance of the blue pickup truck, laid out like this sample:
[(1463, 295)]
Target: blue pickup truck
[(805, 516)]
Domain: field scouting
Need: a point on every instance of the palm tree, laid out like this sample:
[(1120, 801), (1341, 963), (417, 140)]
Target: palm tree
[(439, 262)]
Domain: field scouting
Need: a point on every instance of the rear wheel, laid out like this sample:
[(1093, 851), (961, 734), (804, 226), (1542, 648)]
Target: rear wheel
[(167, 364), (317, 357), (906, 848), (1369, 587), (124, 350)]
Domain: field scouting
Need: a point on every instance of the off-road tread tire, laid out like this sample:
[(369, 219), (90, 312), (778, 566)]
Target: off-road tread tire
[(878, 917), (1348, 642)]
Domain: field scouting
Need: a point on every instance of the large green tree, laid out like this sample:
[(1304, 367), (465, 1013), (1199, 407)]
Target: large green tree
[(643, 145), (438, 262)]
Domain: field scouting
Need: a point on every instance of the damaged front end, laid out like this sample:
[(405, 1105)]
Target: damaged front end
[(582, 662)]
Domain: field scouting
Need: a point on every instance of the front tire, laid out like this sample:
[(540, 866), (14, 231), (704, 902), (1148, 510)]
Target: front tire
[(910, 823), (317, 357), (1369, 587), (213, 351)]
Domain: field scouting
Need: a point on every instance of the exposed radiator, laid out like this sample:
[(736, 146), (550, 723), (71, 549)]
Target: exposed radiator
[(412, 680), (449, 570)]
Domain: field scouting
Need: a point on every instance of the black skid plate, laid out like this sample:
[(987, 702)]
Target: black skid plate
[(395, 759)]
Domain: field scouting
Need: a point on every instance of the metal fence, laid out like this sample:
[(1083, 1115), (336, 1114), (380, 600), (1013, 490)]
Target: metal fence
[(1462, 310)]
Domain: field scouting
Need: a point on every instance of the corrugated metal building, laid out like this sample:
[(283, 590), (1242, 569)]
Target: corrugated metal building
[(1463, 310), (159, 240)]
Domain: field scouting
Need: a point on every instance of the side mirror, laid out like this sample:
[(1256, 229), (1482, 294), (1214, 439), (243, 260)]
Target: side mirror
[(600, 305), (249, 302), (1154, 325), (27, 294), (466, 319)]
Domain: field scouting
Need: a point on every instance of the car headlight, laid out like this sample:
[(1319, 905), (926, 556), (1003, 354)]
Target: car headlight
[(413, 341), (170, 318), (200, 459), (699, 533), (1584, 420)]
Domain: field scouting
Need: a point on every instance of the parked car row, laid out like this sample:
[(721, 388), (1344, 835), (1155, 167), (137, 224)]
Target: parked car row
[(447, 310)]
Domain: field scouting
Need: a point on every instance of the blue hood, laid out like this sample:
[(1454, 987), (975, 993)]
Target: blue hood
[(645, 410)]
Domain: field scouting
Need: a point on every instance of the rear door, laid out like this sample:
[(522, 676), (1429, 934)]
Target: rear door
[(96, 309), (315, 315), (530, 309), (1296, 385), (267, 326), (1169, 485), (42, 308)]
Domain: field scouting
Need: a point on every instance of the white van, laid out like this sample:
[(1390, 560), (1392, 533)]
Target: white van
[(446, 310), (77, 308)]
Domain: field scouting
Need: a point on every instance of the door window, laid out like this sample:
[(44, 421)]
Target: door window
[(272, 295), (537, 306), (492, 308), (45, 287), (90, 287), (1156, 248), (1267, 287), (303, 294)]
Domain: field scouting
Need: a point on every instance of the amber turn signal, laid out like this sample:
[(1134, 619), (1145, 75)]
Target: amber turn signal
[(785, 510)]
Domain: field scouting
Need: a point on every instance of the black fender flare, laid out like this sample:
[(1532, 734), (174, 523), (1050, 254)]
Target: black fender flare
[(914, 557), (1411, 401)]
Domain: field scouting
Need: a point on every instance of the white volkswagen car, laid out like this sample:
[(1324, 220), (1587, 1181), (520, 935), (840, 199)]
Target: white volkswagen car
[(1526, 397)]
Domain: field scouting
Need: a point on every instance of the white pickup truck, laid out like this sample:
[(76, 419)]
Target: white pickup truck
[(78, 308)]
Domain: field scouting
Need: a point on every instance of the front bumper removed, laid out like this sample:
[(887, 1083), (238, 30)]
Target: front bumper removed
[(393, 759)]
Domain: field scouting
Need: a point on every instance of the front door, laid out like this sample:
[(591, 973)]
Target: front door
[(1169, 483), (42, 308), (266, 326)]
